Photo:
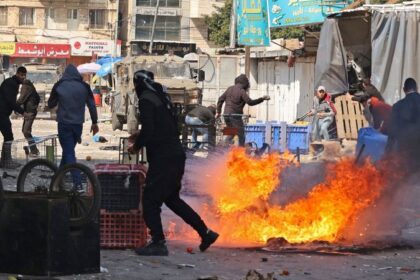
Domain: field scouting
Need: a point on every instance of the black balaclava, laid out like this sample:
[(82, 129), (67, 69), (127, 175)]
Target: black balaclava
[(143, 80)]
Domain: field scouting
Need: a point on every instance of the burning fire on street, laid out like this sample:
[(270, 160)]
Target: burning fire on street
[(242, 212)]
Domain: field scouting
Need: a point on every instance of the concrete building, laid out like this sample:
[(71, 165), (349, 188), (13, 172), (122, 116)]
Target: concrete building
[(57, 31), (180, 25)]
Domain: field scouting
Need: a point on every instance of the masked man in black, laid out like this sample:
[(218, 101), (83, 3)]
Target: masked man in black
[(9, 90), (159, 135)]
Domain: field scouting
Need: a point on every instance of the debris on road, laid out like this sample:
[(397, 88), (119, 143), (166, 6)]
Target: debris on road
[(255, 275), (182, 265), (207, 278), (285, 273)]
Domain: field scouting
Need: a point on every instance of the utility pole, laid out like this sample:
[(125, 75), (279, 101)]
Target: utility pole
[(232, 28), (153, 27), (116, 29)]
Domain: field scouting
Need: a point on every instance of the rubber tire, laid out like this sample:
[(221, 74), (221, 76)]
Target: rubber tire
[(96, 188), (28, 167), (132, 121), (116, 123)]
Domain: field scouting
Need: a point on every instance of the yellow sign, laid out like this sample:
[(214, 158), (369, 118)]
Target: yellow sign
[(7, 48)]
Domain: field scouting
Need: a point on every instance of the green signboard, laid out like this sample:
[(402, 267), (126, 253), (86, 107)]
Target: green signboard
[(252, 23), (302, 12)]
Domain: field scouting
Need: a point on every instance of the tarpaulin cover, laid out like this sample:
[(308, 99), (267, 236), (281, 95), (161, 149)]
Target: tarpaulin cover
[(396, 48), (330, 66)]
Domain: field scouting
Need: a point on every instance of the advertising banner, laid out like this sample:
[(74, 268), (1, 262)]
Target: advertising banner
[(42, 50), (7, 48), (283, 13), (86, 47), (252, 23)]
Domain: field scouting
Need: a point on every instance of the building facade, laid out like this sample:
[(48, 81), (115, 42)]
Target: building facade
[(180, 25), (56, 31)]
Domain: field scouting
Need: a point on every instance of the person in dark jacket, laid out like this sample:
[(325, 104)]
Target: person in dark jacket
[(236, 97), (72, 95), (201, 115), (404, 131), (30, 99), (9, 90), (165, 154)]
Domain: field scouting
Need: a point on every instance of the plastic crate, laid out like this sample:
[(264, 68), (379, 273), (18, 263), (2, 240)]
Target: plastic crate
[(278, 136), (255, 133), (298, 137), (122, 230), (121, 185)]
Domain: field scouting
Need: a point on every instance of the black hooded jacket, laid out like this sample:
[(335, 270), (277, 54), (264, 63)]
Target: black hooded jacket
[(236, 97), (9, 90), (72, 95), (159, 131)]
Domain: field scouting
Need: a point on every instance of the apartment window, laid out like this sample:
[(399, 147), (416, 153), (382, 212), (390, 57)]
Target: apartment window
[(167, 28), (72, 19), (3, 15), (72, 14), (97, 19), (162, 3), (49, 18), (26, 16)]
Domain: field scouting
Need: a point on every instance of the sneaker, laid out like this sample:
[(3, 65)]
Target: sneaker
[(208, 239), (79, 188), (34, 154), (157, 248)]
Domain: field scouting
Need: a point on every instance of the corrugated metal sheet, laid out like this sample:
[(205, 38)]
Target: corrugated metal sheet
[(291, 89)]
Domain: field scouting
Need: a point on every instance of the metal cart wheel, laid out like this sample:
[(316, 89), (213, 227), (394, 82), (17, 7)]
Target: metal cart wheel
[(82, 188), (36, 176)]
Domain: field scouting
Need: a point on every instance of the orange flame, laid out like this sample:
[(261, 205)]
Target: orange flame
[(245, 215)]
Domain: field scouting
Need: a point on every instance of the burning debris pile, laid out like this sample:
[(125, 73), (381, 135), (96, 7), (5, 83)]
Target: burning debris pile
[(242, 212)]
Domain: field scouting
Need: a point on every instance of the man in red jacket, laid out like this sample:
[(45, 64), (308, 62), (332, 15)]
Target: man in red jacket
[(379, 110)]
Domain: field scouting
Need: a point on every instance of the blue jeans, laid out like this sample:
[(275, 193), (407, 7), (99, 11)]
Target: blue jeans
[(203, 131), (320, 129), (69, 135)]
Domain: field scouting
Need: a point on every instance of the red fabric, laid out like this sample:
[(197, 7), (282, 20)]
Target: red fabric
[(381, 113), (329, 101)]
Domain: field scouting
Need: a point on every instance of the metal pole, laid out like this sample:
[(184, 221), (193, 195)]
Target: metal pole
[(153, 27), (232, 28), (116, 29)]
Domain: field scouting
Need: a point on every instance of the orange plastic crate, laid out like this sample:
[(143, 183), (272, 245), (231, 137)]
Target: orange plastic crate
[(122, 230)]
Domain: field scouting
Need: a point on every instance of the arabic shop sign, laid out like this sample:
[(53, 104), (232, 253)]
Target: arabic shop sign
[(302, 12), (252, 23), (7, 48), (88, 47), (161, 48), (42, 50)]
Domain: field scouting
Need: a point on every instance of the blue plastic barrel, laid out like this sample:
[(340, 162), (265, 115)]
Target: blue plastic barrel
[(374, 141)]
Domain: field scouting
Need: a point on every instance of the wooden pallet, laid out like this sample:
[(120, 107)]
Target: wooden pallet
[(349, 118)]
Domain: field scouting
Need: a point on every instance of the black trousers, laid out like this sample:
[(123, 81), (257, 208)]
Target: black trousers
[(6, 128), (163, 184), (236, 122)]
